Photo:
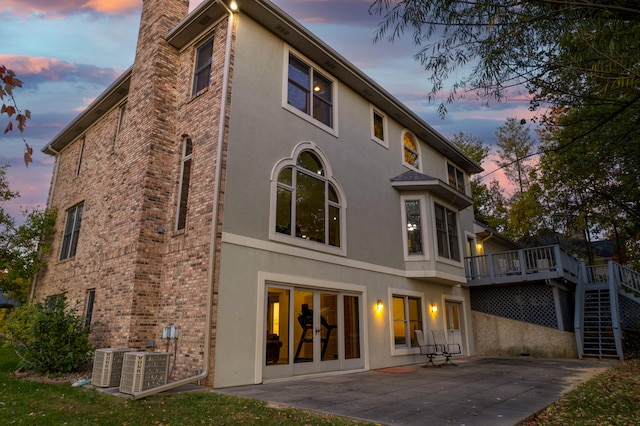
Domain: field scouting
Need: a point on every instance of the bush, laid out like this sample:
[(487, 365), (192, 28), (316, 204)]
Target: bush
[(50, 338)]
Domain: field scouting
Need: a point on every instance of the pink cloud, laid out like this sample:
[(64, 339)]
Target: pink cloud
[(62, 8), (35, 70), (23, 65)]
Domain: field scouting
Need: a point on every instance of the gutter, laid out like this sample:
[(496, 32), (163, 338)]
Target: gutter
[(214, 227)]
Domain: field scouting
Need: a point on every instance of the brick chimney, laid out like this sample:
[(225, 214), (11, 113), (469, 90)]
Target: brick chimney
[(145, 152)]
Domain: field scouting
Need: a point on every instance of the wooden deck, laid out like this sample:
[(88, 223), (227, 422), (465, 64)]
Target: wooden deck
[(524, 265)]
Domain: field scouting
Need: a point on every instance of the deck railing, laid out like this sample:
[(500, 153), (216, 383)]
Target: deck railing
[(529, 264)]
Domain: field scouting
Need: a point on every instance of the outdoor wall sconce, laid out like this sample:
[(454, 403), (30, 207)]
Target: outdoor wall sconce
[(233, 6), (434, 308), (379, 305)]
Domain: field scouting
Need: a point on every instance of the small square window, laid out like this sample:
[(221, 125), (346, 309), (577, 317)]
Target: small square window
[(378, 127), (456, 177)]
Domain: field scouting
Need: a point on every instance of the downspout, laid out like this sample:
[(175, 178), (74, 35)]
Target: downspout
[(49, 203), (214, 228)]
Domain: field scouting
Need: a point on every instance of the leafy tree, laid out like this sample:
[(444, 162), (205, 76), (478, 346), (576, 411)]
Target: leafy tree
[(549, 47), (593, 185), (50, 338), (490, 205), (20, 256), (515, 150), (8, 82), (21, 247)]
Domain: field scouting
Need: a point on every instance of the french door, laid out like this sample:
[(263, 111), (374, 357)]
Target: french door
[(311, 331), (453, 319)]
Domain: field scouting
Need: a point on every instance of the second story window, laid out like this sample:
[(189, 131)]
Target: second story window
[(414, 226), (447, 233), (310, 92), (185, 181), (456, 177), (411, 151), (202, 72), (71, 232), (378, 127), (308, 204)]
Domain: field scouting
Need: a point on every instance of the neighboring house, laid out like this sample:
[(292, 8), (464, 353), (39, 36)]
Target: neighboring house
[(245, 183)]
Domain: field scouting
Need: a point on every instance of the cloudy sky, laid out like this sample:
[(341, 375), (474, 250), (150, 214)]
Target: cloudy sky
[(68, 51)]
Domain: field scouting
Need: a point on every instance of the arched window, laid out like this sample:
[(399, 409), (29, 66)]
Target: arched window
[(309, 204), (411, 150)]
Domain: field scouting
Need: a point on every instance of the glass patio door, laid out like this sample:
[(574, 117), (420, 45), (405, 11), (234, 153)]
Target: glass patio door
[(315, 331), (311, 331)]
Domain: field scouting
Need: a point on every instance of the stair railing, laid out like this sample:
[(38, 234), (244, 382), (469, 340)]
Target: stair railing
[(614, 284), (579, 312)]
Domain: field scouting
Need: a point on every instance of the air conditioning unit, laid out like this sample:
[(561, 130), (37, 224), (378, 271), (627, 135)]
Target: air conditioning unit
[(107, 366), (144, 370)]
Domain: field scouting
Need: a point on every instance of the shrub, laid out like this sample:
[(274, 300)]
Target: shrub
[(50, 338)]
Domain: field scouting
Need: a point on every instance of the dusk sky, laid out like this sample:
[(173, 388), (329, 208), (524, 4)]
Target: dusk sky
[(68, 51)]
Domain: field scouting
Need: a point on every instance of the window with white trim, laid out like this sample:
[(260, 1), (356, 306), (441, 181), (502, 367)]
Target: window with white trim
[(309, 91), (185, 181), (413, 218), (456, 177), (411, 150), (447, 233), (378, 127), (202, 70), (71, 232), (407, 318), (308, 203)]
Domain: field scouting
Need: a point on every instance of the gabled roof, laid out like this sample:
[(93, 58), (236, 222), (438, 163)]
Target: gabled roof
[(293, 33), (416, 181)]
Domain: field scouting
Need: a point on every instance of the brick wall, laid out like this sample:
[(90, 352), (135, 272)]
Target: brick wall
[(145, 278)]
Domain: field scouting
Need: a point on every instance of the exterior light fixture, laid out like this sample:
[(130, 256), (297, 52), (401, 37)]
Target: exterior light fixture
[(434, 308), (233, 6), (379, 305)]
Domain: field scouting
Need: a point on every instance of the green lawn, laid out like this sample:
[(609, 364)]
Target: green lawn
[(24, 402), (612, 398)]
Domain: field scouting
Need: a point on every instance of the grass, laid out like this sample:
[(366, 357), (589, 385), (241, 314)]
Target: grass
[(25, 402), (611, 398)]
